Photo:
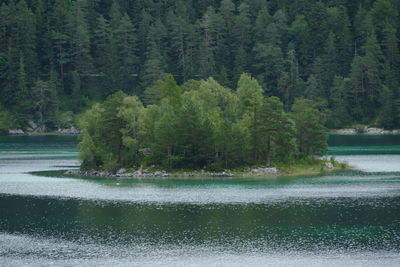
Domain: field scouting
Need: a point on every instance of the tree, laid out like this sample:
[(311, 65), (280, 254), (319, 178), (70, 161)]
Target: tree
[(278, 131), (340, 115), (91, 152), (7, 120), (366, 77), (268, 65), (250, 96), (79, 39), (22, 106), (165, 143), (125, 40), (153, 68), (387, 117), (44, 94), (171, 91), (130, 112), (311, 133), (193, 135)]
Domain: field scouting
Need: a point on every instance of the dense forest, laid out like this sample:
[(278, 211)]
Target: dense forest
[(200, 124), (59, 57)]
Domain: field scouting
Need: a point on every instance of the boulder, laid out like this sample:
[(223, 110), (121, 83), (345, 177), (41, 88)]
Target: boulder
[(328, 165), (265, 170), (16, 132), (71, 130), (121, 171)]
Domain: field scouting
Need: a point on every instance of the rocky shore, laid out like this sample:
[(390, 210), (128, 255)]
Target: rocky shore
[(40, 131), (364, 130), (139, 174)]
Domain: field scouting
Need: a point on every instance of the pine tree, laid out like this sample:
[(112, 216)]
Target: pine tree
[(373, 67), (22, 107), (125, 40), (44, 95), (339, 104), (262, 22), (60, 38), (268, 65), (180, 44), (79, 39), (387, 116), (153, 68)]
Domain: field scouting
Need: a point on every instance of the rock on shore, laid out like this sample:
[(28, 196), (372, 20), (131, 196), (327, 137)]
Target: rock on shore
[(119, 174), (138, 174), (365, 130), (265, 170)]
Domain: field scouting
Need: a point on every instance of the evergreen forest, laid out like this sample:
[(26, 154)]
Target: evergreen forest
[(60, 57)]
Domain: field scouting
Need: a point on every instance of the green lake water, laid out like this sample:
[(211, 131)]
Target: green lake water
[(350, 218)]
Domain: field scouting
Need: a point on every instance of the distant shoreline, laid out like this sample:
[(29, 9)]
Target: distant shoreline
[(345, 131), (67, 131), (364, 130)]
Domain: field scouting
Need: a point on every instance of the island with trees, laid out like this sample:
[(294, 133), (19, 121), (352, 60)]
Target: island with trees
[(200, 125)]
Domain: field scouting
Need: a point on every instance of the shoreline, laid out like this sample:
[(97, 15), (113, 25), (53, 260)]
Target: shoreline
[(260, 172), (345, 131), (364, 131), (65, 131)]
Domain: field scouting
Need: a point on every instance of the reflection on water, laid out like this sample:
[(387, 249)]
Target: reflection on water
[(349, 218)]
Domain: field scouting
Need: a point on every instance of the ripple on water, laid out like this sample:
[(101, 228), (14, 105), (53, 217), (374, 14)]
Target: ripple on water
[(18, 250), (348, 219)]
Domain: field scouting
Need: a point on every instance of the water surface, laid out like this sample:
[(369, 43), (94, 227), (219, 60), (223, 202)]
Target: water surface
[(348, 218)]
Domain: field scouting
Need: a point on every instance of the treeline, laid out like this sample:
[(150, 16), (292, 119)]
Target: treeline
[(58, 56), (200, 124)]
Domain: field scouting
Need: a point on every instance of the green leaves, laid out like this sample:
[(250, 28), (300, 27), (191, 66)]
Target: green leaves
[(207, 126), (311, 132)]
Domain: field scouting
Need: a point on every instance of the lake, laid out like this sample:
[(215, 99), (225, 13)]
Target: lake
[(350, 218)]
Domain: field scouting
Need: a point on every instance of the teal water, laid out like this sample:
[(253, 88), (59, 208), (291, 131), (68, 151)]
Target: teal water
[(350, 218), (364, 144)]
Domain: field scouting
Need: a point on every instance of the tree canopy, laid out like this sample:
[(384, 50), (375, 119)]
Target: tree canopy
[(208, 126), (342, 54)]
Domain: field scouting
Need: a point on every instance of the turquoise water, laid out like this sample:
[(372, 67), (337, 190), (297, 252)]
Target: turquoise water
[(350, 218), (364, 144)]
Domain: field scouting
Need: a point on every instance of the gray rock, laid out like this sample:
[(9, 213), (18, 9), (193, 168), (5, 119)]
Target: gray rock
[(16, 132), (72, 172), (265, 170), (145, 152), (121, 171), (328, 165), (71, 130), (32, 125)]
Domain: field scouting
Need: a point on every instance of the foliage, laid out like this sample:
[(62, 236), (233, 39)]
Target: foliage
[(7, 121), (344, 54), (207, 126), (311, 133)]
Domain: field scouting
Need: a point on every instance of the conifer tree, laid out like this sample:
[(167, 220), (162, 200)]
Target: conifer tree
[(153, 68), (44, 95), (311, 132)]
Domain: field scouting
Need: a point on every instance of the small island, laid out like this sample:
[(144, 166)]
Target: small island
[(202, 128)]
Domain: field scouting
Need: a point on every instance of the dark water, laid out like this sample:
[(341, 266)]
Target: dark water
[(350, 218)]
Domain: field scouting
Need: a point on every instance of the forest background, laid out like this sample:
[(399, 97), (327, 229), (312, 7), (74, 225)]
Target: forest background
[(59, 57)]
